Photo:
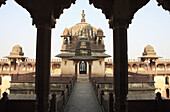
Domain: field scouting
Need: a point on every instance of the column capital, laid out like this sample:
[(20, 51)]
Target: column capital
[(119, 12), (2, 2), (165, 4), (45, 12), (119, 23), (44, 21)]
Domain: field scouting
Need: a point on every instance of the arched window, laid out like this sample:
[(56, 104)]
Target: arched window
[(166, 80), (167, 93)]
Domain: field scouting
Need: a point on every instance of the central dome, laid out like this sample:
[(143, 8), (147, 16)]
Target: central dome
[(83, 29)]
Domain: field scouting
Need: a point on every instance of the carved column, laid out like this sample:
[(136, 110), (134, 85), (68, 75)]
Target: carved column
[(90, 63), (120, 65), (76, 70), (44, 14), (43, 57)]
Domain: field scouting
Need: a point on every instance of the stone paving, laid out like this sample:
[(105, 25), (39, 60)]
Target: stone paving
[(83, 99)]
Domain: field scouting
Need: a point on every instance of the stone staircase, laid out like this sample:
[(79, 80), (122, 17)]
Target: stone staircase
[(83, 78)]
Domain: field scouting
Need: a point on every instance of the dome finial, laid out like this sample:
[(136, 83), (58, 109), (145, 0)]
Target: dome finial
[(83, 19)]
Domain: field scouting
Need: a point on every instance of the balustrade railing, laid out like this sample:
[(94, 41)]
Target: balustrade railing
[(57, 103), (107, 101)]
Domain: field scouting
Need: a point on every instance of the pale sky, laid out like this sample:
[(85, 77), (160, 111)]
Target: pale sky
[(151, 25)]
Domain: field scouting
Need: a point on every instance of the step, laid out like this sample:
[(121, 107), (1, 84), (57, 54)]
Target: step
[(83, 78)]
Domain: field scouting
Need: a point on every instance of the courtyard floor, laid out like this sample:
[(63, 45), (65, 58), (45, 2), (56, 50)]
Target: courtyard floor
[(83, 99)]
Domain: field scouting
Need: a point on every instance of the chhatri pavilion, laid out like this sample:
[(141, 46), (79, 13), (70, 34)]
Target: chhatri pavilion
[(94, 37)]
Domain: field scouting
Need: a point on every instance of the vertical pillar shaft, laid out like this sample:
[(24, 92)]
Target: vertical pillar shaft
[(18, 66), (120, 68), (15, 65), (10, 67), (25, 67), (51, 67), (165, 67), (156, 66), (2, 67), (137, 68), (33, 68), (89, 70), (43, 55), (76, 71)]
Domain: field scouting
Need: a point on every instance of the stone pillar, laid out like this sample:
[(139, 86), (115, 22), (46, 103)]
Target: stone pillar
[(26, 67), (76, 70), (18, 65), (165, 67), (90, 63), (156, 68), (68, 40), (131, 67), (2, 67), (102, 41), (43, 57), (120, 66), (9, 65), (33, 68), (137, 68), (97, 40), (155, 64)]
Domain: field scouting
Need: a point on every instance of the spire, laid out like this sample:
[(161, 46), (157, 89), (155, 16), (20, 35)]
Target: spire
[(83, 19)]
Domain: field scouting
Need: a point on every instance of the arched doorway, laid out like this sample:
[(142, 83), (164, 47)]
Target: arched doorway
[(83, 67)]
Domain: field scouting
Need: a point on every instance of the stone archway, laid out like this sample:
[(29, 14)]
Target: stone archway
[(44, 13)]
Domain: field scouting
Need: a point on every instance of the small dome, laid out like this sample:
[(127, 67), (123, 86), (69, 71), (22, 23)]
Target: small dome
[(17, 50), (65, 32), (99, 31), (149, 50)]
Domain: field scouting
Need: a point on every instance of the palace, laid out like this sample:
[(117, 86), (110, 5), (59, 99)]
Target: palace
[(83, 54), (120, 14)]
